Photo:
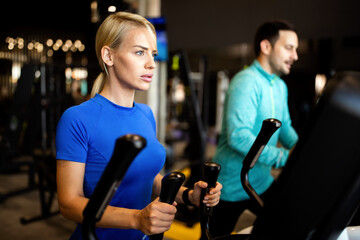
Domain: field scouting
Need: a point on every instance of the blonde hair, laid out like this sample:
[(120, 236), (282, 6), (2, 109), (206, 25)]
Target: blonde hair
[(111, 33)]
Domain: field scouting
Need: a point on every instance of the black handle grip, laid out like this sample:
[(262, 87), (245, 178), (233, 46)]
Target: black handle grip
[(126, 149), (268, 128), (211, 173), (170, 185)]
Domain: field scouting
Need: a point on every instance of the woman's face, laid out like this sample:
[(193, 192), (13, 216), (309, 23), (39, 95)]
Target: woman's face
[(133, 60)]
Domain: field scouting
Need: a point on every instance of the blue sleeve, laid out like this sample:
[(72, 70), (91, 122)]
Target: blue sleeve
[(71, 137), (149, 114)]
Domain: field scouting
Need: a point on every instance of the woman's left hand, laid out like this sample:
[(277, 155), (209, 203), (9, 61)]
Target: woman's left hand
[(211, 199)]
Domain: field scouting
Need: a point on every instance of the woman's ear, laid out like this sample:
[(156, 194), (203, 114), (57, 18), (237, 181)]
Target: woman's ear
[(265, 47), (106, 56)]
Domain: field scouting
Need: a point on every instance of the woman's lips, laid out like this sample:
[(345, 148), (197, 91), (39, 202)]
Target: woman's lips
[(147, 77)]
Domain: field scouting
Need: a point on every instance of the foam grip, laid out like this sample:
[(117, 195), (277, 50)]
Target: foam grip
[(170, 185), (211, 173)]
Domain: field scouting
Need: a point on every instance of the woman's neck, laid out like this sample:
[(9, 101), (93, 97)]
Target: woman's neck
[(118, 96)]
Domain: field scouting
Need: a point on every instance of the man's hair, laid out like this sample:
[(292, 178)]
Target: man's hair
[(270, 31)]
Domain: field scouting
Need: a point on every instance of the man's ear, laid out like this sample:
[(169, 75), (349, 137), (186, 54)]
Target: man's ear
[(265, 47), (106, 56)]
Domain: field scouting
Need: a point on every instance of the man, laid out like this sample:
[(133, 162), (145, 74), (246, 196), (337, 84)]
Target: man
[(255, 94)]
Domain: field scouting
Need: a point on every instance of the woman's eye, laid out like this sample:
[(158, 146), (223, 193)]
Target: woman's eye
[(155, 55), (140, 53)]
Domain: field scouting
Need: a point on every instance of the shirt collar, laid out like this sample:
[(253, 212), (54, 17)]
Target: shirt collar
[(270, 77), (110, 105)]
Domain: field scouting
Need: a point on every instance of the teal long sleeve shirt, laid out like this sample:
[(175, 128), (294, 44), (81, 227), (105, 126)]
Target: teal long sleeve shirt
[(253, 96)]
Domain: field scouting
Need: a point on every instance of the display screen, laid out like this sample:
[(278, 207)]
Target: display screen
[(162, 42)]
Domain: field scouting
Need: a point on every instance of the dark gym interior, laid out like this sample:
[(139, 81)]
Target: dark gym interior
[(48, 63)]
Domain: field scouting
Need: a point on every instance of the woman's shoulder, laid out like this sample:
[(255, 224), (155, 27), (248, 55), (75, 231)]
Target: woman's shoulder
[(144, 108), (84, 110)]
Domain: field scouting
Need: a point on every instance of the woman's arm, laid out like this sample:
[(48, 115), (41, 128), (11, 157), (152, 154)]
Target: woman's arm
[(69, 178), (154, 218), (157, 185)]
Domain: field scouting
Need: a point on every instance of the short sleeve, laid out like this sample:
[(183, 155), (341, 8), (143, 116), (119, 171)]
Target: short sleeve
[(71, 137), (148, 113)]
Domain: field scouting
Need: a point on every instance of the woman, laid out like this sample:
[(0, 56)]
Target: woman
[(86, 134)]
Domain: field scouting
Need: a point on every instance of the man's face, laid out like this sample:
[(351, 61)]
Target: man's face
[(283, 53)]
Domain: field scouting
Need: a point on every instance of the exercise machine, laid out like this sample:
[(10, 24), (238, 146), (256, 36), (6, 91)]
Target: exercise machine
[(318, 191), (269, 126), (15, 157), (126, 149)]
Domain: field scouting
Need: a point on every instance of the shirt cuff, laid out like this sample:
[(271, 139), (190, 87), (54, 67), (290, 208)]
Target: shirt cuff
[(278, 162), (282, 159)]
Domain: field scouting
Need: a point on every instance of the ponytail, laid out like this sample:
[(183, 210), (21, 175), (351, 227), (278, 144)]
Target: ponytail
[(98, 84)]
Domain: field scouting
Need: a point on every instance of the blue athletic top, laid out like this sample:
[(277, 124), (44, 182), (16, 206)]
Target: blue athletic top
[(87, 133), (253, 96)]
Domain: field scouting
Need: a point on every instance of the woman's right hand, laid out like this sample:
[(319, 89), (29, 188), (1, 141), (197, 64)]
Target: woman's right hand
[(156, 217)]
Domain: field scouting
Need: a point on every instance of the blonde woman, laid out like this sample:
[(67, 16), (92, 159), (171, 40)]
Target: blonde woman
[(86, 134)]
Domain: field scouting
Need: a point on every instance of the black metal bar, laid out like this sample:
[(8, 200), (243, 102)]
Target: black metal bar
[(126, 149), (268, 128), (211, 173), (170, 185)]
